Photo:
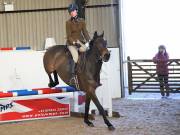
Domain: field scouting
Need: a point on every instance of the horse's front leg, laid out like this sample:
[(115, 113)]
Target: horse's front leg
[(101, 109), (87, 103)]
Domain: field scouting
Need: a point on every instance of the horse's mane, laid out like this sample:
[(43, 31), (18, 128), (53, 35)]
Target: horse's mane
[(91, 43), (91, 46), (90, 55), (96, 36)]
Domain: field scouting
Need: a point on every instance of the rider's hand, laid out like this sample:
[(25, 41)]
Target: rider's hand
[(77, 45), (79, 42), (87, 45)]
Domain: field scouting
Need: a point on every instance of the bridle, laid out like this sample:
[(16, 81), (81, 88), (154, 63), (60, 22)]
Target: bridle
[(100, 56)]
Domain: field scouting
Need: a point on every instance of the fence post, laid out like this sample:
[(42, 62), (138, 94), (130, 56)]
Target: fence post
[(130, 87)]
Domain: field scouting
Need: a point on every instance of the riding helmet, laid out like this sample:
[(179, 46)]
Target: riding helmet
[(72, 7)]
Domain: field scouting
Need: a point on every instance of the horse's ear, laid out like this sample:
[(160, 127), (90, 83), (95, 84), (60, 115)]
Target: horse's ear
[(102, 35), (95, 34)]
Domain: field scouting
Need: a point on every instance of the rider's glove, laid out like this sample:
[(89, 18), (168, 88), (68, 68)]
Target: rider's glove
[(77, 45), (87, 45)]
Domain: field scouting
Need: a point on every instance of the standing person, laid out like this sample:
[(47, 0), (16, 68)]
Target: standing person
[(161, 59), (77, 36)]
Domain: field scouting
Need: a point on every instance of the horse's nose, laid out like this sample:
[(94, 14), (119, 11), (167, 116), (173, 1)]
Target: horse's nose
[(107, 56)]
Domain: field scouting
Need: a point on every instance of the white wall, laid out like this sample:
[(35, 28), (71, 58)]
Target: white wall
[(22, 69), (113, 73)]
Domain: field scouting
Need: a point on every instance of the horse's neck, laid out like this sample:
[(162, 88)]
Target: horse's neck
[(92, 55), (93, 60)]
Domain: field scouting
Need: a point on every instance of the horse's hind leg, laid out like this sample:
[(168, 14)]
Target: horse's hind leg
[(51, 82), (101, 109), (56, 81), (87, 103)]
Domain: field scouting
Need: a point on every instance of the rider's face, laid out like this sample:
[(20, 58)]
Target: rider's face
[(73, 13), (162, 50)]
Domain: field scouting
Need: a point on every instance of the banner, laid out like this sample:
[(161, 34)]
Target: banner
[(17, 110)]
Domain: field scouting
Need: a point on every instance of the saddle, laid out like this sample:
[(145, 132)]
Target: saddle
[(81, 60)]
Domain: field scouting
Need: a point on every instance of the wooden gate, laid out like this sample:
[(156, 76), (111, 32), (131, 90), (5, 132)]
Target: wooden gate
[(142, 76)]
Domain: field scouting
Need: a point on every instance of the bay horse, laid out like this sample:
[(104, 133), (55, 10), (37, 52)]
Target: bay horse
[(57, 61)]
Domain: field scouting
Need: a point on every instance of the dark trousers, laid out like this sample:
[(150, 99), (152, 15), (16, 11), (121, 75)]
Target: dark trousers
[(164, 88)]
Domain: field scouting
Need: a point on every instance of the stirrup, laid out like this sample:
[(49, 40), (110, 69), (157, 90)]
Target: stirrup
[(74, 82)]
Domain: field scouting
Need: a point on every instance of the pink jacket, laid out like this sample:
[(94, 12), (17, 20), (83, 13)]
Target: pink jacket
[(161, 60)]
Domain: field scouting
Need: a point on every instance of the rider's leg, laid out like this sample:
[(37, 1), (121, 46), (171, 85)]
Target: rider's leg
[(160, 78), (72, 68), (74, 53), (166, 85)]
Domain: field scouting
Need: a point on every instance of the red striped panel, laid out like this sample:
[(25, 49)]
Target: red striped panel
[(6, 49), (48, 90), (3, 95), (81, 99)]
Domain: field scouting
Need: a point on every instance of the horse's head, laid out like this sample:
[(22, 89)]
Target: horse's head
[(99, 44)]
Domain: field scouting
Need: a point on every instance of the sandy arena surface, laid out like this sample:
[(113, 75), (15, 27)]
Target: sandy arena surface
[(139, 117)]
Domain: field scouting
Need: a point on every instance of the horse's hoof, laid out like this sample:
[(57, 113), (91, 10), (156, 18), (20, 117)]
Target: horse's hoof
[(111, 128), (90, 124), (56, 83), (51, 85)]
